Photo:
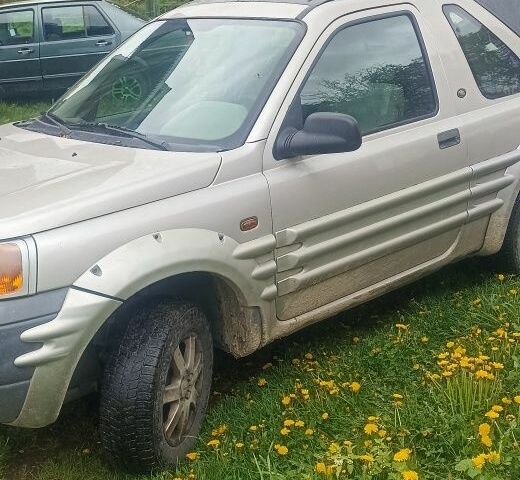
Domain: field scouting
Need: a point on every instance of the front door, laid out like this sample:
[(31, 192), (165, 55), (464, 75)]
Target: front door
[(346, 222), (19, 51), (75, 38)]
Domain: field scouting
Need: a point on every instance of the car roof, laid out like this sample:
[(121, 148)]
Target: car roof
[(26, 3)]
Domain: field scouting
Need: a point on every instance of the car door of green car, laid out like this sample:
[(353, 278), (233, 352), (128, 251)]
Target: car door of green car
[(19, 51), (74, 38)]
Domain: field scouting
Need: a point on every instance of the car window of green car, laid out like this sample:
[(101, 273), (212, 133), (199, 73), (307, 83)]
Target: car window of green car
[(68, 23), (16, 28)]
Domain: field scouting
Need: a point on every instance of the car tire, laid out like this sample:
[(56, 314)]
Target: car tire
[(510, 253), (156, 386)]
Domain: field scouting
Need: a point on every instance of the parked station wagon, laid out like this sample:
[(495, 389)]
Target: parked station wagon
[(286, 161), (48, 45)]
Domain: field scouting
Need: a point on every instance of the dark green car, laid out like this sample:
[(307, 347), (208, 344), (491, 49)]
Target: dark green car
[(48, 45)]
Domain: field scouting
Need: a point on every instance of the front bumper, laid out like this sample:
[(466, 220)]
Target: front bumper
[(16, 316), (57, 347)]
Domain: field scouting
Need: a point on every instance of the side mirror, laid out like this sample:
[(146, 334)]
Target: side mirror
[(322, 133)]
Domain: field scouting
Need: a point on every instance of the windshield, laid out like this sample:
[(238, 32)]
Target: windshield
[(196, 84)]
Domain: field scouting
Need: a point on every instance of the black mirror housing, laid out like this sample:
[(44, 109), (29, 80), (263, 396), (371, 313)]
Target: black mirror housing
[(322, 133)]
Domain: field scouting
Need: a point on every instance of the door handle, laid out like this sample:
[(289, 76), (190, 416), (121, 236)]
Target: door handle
[(448, 139), (25, 51), (103, 43)]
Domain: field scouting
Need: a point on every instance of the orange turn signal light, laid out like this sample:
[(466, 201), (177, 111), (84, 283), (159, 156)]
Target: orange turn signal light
[(11, 269)]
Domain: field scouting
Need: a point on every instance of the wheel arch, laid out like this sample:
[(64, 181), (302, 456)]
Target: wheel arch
[(499, 222)]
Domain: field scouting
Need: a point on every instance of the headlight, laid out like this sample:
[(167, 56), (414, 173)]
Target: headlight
[(14, 269)]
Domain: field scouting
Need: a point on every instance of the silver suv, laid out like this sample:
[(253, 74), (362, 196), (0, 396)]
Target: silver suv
[(283, 161)]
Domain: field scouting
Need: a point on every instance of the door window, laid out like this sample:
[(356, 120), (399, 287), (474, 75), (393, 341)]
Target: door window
[(69, 23), (16, 28), (375, 71), (495, 66)]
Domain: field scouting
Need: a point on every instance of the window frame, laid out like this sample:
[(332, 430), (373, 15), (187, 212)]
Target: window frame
[(34, 38), (473, 75), (82, 6), (374, 18)]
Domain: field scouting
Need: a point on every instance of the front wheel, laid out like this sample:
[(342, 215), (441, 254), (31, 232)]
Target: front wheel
[(156, 386)]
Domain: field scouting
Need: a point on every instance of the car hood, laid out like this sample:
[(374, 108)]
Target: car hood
[(47, 181)]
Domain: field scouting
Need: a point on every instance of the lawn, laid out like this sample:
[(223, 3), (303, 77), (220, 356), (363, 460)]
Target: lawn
[(421, 384), (11, 111)]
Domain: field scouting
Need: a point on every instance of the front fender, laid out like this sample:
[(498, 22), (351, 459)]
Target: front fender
[(249, 267)]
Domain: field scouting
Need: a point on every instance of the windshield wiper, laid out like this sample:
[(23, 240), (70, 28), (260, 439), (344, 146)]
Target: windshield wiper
[(122, 131), (56, 121)]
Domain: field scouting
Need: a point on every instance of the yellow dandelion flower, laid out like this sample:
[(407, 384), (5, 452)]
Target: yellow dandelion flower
[(239, 445), (493, 457), (366, 458), (425, 339), (286, 400), (356, 339), (486, 441), (401, 326), (355, 387), (372, 419), (192, 456), (347, 443), (402, 455), (492, 414), (479, 461), (284, 431), (309, 356), (288, 423), (501, 277), (299, 424), (517, 399), (498, 366), (484, 429), (281, 450), (262, 382), (371, 428), (333, 448), (309, 432), (253, 428), (214, 443), (397, 396), (325, 416), (410, 475), (506, 401), (450, 344), (497, 408), (320, 468)]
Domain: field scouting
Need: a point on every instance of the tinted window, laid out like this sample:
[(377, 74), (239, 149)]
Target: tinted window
[(506, 10), (68, 23), (95, 23), (495, 67), (16, 28), (375, 72)]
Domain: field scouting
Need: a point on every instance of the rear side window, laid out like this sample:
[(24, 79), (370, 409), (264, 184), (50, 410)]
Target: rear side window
[(495, 66), (69, 23), (508, 11), (376, 72), (16, 28)]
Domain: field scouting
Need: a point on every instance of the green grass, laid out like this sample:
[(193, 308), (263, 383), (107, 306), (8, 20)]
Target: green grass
[(12, 112), (463, 303)]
